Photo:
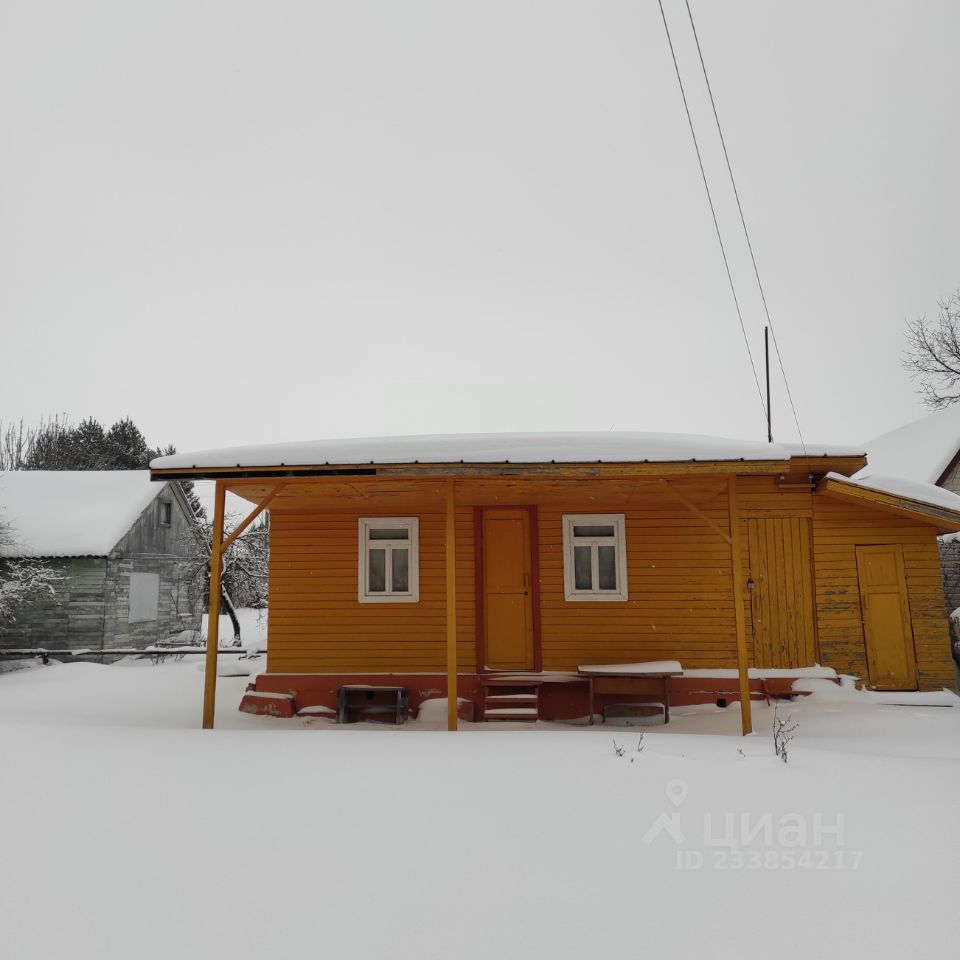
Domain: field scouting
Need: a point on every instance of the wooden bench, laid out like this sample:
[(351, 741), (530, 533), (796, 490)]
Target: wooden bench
[(653, 687), (359, 700)]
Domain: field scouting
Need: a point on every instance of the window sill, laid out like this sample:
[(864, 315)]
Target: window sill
[(388, 599), (596, 598)]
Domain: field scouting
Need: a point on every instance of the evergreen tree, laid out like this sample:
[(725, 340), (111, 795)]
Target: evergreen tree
[(55, 445), (83, 447), (125, 447)]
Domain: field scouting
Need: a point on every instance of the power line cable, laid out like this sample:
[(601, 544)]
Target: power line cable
[(743, 221), (713, 212)]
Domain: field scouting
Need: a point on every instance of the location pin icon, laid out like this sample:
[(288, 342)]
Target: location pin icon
[(677, 791)]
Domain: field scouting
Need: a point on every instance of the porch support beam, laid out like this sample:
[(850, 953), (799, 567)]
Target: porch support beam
[(213, 609), (451, 605), (257, 510), (737, 562)]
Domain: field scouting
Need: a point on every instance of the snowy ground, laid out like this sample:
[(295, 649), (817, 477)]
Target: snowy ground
[(126, 832)]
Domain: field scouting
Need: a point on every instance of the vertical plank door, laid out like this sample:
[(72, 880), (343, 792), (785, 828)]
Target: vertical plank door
[(782, 601), (891, 658)]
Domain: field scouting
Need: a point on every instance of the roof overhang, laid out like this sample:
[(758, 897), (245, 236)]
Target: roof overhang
[(944, 519), (847, 464), (461, 469)]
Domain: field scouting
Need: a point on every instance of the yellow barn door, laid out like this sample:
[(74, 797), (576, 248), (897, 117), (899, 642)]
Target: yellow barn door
[(784, 634), (507, 588), (886, 618)]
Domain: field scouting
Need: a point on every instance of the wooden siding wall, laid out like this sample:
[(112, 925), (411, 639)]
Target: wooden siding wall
[(316, 623), (178, 606), (680, 583), (148, 537), (680, 579), (838, 529), (73, 620), (149, 547)]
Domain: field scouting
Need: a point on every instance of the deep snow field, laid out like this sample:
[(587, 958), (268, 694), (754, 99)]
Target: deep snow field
[(127, 832)]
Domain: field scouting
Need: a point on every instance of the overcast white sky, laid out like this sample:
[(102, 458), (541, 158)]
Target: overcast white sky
[(253, 221)]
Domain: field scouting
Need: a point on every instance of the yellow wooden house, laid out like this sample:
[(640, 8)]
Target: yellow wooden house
[(456, 562)]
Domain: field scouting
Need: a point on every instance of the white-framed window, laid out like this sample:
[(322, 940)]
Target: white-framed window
[(389, 563), (594, 556)]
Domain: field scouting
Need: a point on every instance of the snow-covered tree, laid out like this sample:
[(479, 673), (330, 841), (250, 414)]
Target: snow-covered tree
[(243, 576), (22, 579)]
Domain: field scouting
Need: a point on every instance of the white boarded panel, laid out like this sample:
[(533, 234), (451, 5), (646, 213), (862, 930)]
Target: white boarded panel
[(144, 597)]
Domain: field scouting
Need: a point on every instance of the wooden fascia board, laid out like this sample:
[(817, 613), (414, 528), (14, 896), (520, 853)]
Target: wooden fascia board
[(945, 520), (415, 470), (812, 464)]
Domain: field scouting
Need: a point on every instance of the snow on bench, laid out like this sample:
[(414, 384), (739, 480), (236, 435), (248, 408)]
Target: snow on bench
[(634, 669)]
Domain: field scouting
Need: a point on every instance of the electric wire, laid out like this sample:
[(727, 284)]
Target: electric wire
[(743, 221), (713, 212)]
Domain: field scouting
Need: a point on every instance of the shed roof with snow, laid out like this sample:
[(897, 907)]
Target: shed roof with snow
[(924, 450), (71, 513)]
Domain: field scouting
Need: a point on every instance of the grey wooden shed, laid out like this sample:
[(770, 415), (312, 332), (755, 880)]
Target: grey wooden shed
[(117, 540)]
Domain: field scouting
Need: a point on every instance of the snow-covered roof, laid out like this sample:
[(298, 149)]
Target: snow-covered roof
[(608, 447), (71, 513), (921, 450), (915, 490)]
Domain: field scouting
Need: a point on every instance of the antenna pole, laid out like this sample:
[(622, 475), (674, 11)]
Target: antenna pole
[(766, 356)]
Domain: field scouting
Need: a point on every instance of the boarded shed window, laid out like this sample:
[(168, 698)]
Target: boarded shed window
[(594, 557), (165, 508), (388, 563), (144, 597)]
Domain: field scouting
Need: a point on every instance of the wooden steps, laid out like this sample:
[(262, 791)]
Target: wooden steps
[(510, 697)]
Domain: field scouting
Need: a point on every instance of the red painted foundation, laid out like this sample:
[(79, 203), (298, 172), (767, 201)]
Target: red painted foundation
[(268, 704), (320, 689), (561, 696)]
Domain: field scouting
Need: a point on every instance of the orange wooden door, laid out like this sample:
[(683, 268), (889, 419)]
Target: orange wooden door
[(507, 589), (782, 602), (886, 618)]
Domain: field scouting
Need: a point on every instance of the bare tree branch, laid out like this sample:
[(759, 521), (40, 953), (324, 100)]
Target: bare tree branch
[(932, 357)]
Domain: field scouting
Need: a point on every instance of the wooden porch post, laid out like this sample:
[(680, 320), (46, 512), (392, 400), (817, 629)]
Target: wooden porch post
[(737, 560), (213, 613), (451, 607)]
